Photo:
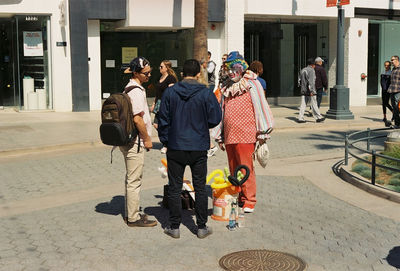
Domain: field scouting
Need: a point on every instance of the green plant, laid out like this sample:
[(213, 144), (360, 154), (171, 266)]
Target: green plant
[(394, 188), (366, 173), (380, 181), (394, 153), (394, 181), (360, 167)]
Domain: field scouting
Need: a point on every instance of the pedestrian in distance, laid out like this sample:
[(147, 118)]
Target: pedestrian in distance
[(211, 66), (385, 83), (321, 81), (188, 110), (244, 114), (308, 92), (223, 72), (257, 67), (134, 152), (394, 89), (168, 78)]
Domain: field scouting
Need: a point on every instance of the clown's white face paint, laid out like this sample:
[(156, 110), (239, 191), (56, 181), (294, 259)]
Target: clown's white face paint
[(235, 75)]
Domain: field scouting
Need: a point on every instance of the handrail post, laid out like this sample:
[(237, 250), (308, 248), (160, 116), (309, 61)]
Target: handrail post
[(346, 149), (373, 167), (368, 136)]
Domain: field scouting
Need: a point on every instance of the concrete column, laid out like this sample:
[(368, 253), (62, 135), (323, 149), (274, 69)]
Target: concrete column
[(94, 64), (234, 34)]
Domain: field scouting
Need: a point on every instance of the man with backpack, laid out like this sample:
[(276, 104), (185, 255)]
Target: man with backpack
[(134, 152), (188, 110)]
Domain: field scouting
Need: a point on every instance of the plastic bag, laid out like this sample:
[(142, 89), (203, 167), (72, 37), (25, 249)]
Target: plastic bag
[(261, 153)]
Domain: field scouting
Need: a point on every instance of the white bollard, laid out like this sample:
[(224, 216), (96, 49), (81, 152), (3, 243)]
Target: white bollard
[(28, 86), (41, 99), (32, 100)]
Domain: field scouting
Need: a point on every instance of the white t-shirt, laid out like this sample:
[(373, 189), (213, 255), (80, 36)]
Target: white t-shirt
[(139, 104)]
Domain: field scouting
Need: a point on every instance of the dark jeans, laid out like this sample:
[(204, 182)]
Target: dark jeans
[(177, 162), (385, 101), (319, 96), (395, 98)]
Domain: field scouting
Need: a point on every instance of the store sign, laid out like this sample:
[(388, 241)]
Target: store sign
[(33, 43), (333, 3), (31, 18), (129, 53)]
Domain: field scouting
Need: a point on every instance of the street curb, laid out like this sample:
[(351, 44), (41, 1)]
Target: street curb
[(362, 183)]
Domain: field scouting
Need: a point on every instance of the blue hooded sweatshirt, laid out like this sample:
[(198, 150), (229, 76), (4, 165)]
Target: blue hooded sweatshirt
[(188, 110)]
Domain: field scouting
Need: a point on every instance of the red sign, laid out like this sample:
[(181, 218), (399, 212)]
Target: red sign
[(332, 3)]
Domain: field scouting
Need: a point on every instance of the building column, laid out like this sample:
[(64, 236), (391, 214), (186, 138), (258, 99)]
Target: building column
[(234, 26)]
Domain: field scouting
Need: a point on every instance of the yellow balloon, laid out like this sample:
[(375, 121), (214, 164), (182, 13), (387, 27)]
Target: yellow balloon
[(219, 181), (215, 172)]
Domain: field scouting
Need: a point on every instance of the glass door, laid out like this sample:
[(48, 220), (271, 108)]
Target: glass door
[(33, 59), (7, 64)]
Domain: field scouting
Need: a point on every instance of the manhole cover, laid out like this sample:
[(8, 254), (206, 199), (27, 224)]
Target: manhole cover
[(261, 260)]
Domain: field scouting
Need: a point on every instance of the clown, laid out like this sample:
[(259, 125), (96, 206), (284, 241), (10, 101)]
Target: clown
[(244, 122)]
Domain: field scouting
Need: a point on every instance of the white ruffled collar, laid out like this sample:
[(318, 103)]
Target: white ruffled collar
[(240, 87)]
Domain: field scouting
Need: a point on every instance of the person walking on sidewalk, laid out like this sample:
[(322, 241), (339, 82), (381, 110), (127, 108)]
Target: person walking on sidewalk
[(385, 83), (308, 92), (321, 82), (188, 110), (394, 89), (134, 152), (211, 66)]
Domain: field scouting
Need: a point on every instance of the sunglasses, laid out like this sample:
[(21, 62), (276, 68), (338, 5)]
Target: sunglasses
[(393, 59), (147, 74)]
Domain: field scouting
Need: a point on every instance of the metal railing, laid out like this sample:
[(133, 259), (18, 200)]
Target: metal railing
[(350, 146)]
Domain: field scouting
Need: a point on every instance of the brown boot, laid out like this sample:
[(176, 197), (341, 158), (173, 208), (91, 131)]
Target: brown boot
[(142, 222)]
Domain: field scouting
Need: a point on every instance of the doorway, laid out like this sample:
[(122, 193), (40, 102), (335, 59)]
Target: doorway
[(283, 48), (8, 95)]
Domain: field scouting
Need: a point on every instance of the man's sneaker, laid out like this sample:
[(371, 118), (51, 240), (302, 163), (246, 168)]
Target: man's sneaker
[(248, 209), (388, 123), (301, 121), (320, 120), (142, 222), (163, 150), (204, 232), (212, 151), (174, 233)]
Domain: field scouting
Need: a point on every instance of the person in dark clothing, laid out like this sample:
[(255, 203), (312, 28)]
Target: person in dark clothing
[(188, 110), (321, 82), (385, 83)]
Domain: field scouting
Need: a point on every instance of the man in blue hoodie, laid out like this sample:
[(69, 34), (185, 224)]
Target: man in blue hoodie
[(187, 111)]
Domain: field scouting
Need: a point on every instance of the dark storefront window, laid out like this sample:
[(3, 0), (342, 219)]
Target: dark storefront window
[(283, 48), (155, 46), (24, 63)]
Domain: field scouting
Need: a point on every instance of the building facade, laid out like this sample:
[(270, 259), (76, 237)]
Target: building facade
[(68, 55)]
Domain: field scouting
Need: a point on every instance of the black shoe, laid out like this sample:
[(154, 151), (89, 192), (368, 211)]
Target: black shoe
[(174, 233), (301, 121), (388, 123), (142, 222), (320, 120)]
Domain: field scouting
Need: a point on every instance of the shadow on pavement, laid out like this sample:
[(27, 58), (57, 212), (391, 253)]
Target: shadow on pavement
[(114, 207), (393, 258), (373, 119)]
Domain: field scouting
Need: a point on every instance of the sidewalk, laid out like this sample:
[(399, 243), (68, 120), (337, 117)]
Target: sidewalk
[(32, 131)]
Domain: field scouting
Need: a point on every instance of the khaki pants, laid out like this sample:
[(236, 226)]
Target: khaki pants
[(305, 100), (134, 162)]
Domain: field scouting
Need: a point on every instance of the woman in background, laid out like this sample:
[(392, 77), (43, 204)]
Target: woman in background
[(168, 78)]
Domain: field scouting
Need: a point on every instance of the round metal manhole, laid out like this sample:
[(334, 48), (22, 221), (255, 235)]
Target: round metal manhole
[(261, 260)]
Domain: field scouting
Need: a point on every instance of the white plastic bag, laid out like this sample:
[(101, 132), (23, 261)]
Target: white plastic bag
[(261, 153)]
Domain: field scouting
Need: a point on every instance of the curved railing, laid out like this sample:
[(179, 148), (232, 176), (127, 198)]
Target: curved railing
[(370, 135)]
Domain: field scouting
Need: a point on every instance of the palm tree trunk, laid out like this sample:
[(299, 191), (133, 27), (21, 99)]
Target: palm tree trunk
[(200, 30)]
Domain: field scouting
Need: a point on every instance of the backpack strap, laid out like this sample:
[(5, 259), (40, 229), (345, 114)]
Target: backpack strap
[(128, 89)]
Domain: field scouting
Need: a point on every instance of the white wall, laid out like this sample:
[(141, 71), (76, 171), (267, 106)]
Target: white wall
[(357, 61), (60, 56), (215, 45), (314, 8), (159, 14), (94, 64), (234, 26)]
